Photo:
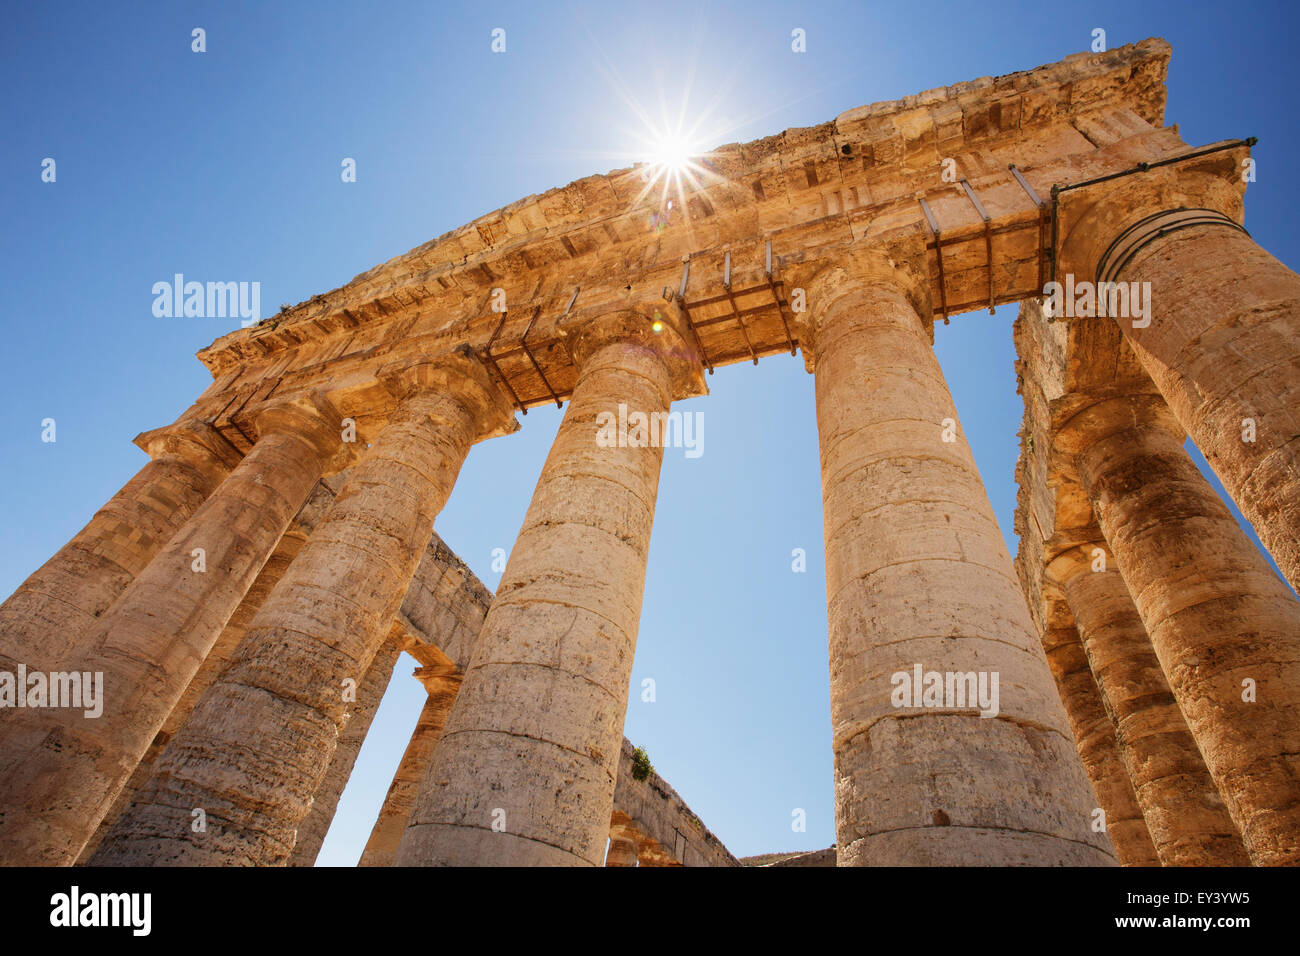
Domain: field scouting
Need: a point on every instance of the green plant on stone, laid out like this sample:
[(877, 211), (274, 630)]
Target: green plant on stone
[(641, 767)]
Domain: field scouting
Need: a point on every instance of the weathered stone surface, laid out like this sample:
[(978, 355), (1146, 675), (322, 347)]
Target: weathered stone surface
[(917, 575), (370, 691), (824, 857), (621, 852), (60, 603), (255, 749), (1100, 440), (251, 715), (659, 816), (219, 657), (1094, 737), (1218, 617), (61, 772), (1185, 816), (1221, 340), (510, 783)]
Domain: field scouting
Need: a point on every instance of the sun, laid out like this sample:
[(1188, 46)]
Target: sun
[(675, 166), (673, 153)]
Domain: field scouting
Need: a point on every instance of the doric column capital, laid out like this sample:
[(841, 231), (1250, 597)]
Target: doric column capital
[(311, 417), (897, 267), (460, 377), (1079, 559), (1110, 415), (656, 329), (1102, 224), (191, 441)]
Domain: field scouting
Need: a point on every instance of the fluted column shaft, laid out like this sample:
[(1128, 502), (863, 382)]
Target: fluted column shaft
[(255, 749), (60, 603), (1217, 617), (1094, 735), (1185, 814), (525, 772), (61, 771), (395, 814), (917, 575)]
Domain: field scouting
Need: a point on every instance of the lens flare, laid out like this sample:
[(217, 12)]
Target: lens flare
[(673, 154)]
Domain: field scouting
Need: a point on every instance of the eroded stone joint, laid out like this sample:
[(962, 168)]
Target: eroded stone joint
[(312, 418), (647, 330), (894, 268), (457, 377), (1110, 416), (194, 443), (1090, 228), (1142, 233)]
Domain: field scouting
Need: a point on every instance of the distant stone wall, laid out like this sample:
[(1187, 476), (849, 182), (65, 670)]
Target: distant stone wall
[(655, 810)]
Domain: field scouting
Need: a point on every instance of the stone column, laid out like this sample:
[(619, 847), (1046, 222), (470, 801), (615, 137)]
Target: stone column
[(1225, 629), (442, 683), (61, 602), (1223, 339), (61, 770), (525, 771), (918, 578), (1184, 813), (1094, 735), (218, 657), (621, 852), (257, 746), (370, 692)]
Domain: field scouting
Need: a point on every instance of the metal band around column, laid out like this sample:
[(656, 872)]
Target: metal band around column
[(1146, 230)]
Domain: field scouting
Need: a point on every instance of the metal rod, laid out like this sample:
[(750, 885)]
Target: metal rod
[(738, 293), (1004, 299), (1139, 168), (741, 323), (743, 313), (1043, 216), (1024, 184), (1056, 224), (929, 216), (776, 297), (949, 241), (699, 344), (938, 256), (772, 350), (523, 343), (988, 239), (1143, 167), (974, 200), (487, 352)]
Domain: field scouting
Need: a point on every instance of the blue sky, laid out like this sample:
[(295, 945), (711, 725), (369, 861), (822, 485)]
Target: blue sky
[(225, 166)]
